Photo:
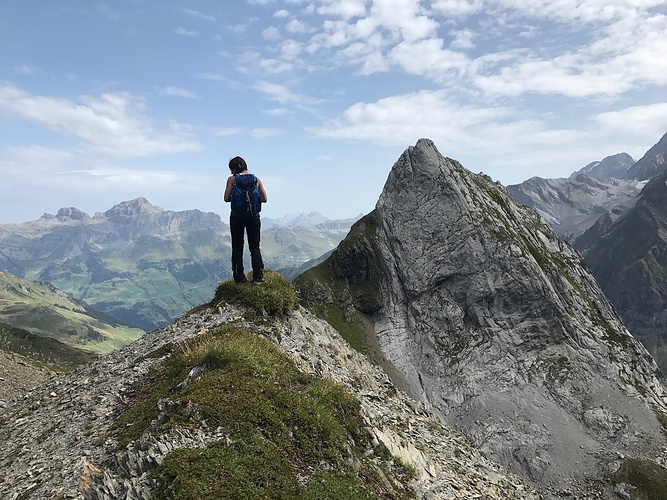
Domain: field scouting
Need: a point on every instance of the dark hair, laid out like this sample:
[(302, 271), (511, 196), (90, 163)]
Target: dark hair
[(237, 165)]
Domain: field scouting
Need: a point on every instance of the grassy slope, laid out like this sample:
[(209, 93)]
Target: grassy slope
[(42, 310), (290, 435)]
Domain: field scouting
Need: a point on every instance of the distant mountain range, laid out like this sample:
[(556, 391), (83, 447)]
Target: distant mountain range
[(615, 214), (144, 265), (610, 185)]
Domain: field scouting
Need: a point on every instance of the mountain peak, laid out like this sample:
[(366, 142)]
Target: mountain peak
[(497, 323), (615, 166), (309, 220), (133, 207), (71, 213)]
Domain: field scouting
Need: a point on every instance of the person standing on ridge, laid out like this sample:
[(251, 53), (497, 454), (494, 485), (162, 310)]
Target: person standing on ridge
[(246, 194)]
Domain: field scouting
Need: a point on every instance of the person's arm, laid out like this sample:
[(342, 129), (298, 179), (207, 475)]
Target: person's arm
[(262, 191), (228, 189)]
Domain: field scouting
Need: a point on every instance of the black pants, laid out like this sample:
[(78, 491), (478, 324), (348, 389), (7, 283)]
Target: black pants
[(252, 226)]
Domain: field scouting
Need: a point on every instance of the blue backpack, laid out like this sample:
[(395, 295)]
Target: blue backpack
[(246, 200)]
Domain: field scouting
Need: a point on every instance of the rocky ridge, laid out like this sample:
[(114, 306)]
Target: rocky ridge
[(56, 441), (497, 323), (654, 162)]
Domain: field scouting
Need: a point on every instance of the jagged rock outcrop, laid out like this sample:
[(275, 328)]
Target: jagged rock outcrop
[(497, 323), (71, 213), (55, 440), (628, 257), (654, 162)]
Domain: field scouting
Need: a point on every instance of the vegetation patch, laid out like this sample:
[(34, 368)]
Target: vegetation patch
[(275, 297), (558, 370), (329, 299), (662, 418), (289, 435), (163, 350), (649, 479)]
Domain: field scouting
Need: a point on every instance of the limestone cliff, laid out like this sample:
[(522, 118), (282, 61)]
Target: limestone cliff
[(497, 323)]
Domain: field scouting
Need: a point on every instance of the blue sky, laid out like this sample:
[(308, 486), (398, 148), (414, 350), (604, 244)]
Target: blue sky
[(106, 102)]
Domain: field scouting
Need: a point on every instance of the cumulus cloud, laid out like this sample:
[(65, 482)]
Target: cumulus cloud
[(649, 120), (462, 130), (111, 123), (594, 49)]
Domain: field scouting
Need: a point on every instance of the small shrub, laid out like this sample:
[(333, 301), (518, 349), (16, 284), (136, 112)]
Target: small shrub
[(649, 479), (245, 469), (275, 297)]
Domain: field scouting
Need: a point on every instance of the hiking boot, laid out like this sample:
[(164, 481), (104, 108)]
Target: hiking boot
[(258, 281), (241, 281)]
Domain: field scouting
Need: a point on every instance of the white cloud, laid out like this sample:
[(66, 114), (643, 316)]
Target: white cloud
[(578, 10), (124, 177), (276, 112), (112, 123), (404, 15), (214, 77), (26, 70), (457, 8), (393, 120), (299, 27), (461, 130), (261, 133), (463, 39), (184, 32), (283, 95), (225, 131), (107, 11), (179, 92), (198, 15), (271, 33), (281, 14), (428, 57), (622, 48), (649, 120), (290, 49), (345, 9)]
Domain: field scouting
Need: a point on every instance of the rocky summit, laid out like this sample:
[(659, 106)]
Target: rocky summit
[(496, 322)]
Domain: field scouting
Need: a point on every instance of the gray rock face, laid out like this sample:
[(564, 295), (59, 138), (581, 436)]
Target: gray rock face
[(654, 162), (615, 166), (628, 257), (571, 206), (496, 322)]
